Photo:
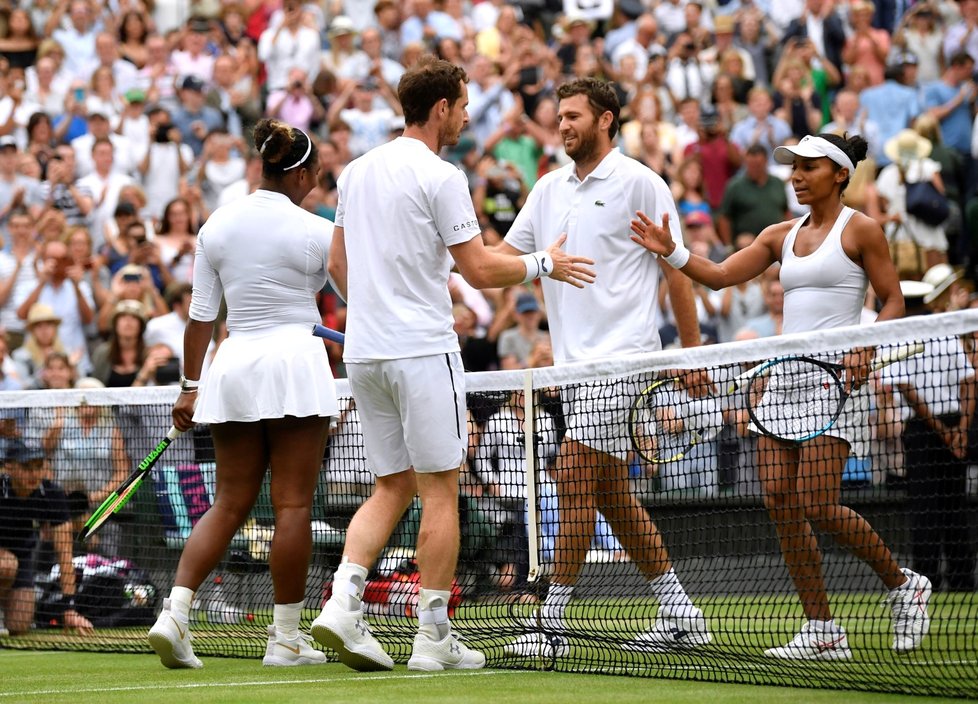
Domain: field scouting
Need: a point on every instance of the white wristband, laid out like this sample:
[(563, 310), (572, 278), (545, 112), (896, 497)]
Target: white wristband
[(538, 265), (679, 257)]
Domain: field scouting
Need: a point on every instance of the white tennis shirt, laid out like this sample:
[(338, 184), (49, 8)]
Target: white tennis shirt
[(401, 207), (267, 257), (618, 313)]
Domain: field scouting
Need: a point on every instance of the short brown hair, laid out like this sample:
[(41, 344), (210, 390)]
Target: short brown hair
[(600, 96), (427, 82)]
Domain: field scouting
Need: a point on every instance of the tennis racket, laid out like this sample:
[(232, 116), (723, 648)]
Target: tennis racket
[(328, 333), (665, 422), (794, 399), (118, 498)]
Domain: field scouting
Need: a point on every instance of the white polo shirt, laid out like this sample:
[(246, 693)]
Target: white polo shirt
[(401, 207), (618, 313)]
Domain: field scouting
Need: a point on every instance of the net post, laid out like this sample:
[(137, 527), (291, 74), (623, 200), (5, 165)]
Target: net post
[(532, 512)]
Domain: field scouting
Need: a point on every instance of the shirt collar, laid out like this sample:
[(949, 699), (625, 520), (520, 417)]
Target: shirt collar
[(603, 170)]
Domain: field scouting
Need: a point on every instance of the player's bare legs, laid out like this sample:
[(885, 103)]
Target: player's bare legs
[(375, 520), (438, 538), (801, 490), (590, 480), (820, 466)]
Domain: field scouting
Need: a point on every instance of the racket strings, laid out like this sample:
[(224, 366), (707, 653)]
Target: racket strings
[(797, 400)]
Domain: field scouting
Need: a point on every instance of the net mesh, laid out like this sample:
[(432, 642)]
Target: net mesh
[(910, 474)]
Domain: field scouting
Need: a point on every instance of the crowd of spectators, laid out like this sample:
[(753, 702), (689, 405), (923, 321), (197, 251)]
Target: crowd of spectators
[(125, 123)]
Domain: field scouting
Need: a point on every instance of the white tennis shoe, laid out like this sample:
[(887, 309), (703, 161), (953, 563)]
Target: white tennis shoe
[(348, 633), (285, 652), (538, 645), (909, 605), (170, 638), (812, 644), (449, 653), (545, 638), (672, 631)]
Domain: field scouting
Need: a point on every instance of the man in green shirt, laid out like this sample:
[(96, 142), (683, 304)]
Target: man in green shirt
[(753, 200)]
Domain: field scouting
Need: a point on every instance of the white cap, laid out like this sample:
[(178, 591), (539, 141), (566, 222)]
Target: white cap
[(812, 148)]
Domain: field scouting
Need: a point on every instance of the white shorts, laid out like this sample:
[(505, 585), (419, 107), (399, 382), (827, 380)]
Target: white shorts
[(273, 373), (412, 411), (597, 413)]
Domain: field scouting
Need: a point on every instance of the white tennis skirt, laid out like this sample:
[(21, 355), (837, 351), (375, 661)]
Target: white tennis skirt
[(273, 373)]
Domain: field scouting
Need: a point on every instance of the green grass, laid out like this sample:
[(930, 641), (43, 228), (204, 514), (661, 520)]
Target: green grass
[(78, 678), (742, 627)]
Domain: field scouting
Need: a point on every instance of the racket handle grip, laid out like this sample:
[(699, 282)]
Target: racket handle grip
[(173, 433), (328, 333)]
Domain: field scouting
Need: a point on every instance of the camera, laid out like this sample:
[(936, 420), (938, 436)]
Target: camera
[(529, 76), (168, 372), (163, 133), (132, 277), (296, 85)]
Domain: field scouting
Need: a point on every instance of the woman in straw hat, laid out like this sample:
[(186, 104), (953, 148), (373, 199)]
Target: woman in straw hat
[(909, 151), (42, 339), (828, 257)]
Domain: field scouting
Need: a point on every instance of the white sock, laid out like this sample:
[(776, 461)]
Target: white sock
[(433, 613), (348, 583), (554, 606), (286, 619), (671, 594), (180, 600)]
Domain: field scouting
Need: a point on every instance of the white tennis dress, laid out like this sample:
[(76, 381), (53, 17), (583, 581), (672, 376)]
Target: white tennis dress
[(824, 290), (267, 257)]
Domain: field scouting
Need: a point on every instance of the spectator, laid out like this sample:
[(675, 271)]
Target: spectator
[(123, 359), (370, 61), (920, 34), (479, 353), (103, 99), (822, 27), (771, 322), (639, 46), (104, 183), (295, 104), (100, 128), (18, 275), (687, 188), (499, 193), (752, 200), (490, 98), (134, 124), (44, 91), (867, 46), (427, 24), (61, 286), (19, 43), (795, 99), (193, 59), (909, 153), (761, 127), (16, 190), (894, 104), (133, 33), (79, 241), (41, 341), (193, 117), (388, 15), (157, 76), (719, 157), (124, 74), (165, 163), (961, 36), (369, 125), (28, 503), (703, 237), (168, 329), (683, 73), (88, 459), (735, 305), (291, 44), (236, 99), (951, 99), (220, 166), (342, 49), (849, 118), (177, 240), (58, 373), (515, 344), (76, 37)]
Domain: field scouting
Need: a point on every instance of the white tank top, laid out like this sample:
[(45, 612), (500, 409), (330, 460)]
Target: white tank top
[(825, 289)]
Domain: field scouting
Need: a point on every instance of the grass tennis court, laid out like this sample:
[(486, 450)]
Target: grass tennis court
[(742, 627), (51, 677)]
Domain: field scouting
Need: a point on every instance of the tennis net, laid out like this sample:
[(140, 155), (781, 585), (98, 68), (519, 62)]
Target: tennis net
[(911, 473)]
